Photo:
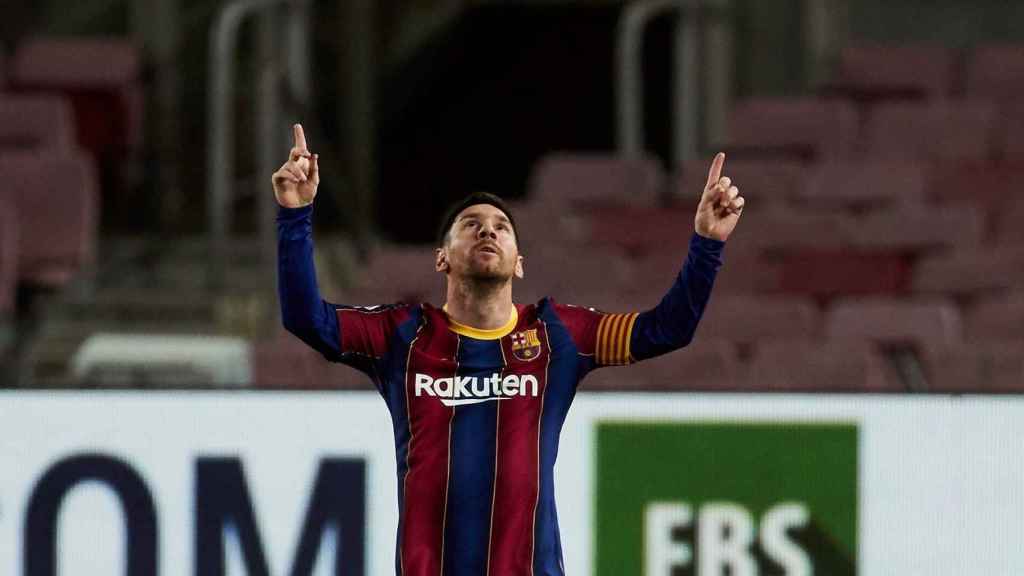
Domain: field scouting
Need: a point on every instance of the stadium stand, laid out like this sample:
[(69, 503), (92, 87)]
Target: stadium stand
[(55, 198), (8, 259), (895, 322), (747, 319), (999, 317), (816, 365), (876, 71), (801, 128), (971, 272), (996, 71), (36, 121), (563, 180), (101, 78), (976, 367), (935, 131)]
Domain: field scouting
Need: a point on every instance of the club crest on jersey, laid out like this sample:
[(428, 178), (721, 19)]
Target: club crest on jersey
[(526, 345)]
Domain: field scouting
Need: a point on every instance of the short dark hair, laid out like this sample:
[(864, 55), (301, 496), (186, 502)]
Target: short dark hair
[(474, 198)]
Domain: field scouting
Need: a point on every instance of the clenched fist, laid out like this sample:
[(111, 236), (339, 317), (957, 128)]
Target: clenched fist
[(296, 181), (720, 204)]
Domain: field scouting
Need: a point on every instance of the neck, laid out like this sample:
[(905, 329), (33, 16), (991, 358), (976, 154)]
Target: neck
[(483, 305)]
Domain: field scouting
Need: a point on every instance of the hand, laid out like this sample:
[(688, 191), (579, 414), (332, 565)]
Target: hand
[(296, 181), (720, 204)]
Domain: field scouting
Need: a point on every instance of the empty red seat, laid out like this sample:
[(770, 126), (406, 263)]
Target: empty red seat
[(937, 131), (762, 181), (746, 318), (638, 230), (100, 75), (703, 365), (918, 228), (1010, 140), (996, 71), (878, 71), (841, 271), (397, 274), (997, 318), (848, 184), (976, 367), (38, 121), (810, 127), (1009, 223), (895, 322), (8, 256), (572, 275), (55, 198), (823, 366), (971, 271), (983, 184), (560, 180), (777, 229)]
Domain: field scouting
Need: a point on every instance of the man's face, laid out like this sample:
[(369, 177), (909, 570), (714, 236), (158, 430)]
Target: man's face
[(481, 244)]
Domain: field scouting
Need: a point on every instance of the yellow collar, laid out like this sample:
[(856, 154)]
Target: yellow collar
[(480, 334)]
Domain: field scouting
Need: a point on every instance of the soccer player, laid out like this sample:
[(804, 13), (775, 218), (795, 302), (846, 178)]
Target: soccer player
[(478, 389)]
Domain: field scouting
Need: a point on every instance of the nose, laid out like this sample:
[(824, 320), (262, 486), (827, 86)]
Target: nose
[(487, 231)]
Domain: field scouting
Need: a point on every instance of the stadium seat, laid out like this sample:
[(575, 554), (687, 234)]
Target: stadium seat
[(975, 367), (986, 185), (8, 257), (841, 271), (705, 364), (810, 127), (282, 361), (744, 270), (569, 275), (970, 272), (895, 322), (859, 185), (746, 318), (55, 198), (918, 228), (37, 121), (1010, 140), (996, 318), (397, 274), (937, 131), (100, 75), (585, 180), (639, 230), (784, 228), (1009, 221), (876, 71), (761, 181), (996, 71), (821, 366)]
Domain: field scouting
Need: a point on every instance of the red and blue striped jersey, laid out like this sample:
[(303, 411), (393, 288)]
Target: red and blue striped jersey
[(477, 413)]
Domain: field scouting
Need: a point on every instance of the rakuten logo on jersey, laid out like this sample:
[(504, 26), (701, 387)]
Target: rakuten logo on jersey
[(461, 390)]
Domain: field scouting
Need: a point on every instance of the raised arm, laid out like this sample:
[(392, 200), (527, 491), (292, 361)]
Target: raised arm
[(303, 312), (672, 323)]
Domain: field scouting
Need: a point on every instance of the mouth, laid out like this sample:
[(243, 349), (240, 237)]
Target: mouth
[(488, 249)]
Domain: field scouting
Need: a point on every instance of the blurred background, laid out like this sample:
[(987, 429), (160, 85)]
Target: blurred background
[(878, 271), (877, 144)]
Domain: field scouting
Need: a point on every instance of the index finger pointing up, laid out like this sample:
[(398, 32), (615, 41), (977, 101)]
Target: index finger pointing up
[(300, 137), (715, 174)]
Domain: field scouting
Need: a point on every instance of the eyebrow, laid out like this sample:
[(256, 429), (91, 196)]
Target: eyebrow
[(476, 215)]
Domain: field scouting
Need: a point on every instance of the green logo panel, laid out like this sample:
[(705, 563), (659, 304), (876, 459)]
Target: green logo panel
[(726, 499)]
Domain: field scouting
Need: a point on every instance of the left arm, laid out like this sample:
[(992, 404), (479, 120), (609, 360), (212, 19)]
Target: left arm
[(673, 322)]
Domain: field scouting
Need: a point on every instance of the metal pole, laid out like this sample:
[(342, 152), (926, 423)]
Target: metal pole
[(686, 93), (220, 123)]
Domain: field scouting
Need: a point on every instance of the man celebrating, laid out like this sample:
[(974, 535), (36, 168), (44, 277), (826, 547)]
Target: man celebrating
[(478, 389)]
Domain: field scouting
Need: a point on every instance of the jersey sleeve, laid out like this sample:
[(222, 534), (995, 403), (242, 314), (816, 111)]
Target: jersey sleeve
[(607, 339), (357, 336), (601, 338)]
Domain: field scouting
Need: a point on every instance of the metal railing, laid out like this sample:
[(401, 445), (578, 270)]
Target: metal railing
[(686, 71), (221, 117)]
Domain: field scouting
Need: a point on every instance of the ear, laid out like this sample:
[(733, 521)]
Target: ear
[(441, 262), (519, 267)]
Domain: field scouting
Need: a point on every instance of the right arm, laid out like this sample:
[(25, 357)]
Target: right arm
[(303, 312)]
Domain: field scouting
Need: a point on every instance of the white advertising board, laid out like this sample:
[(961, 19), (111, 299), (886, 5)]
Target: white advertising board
[(940, 480)]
